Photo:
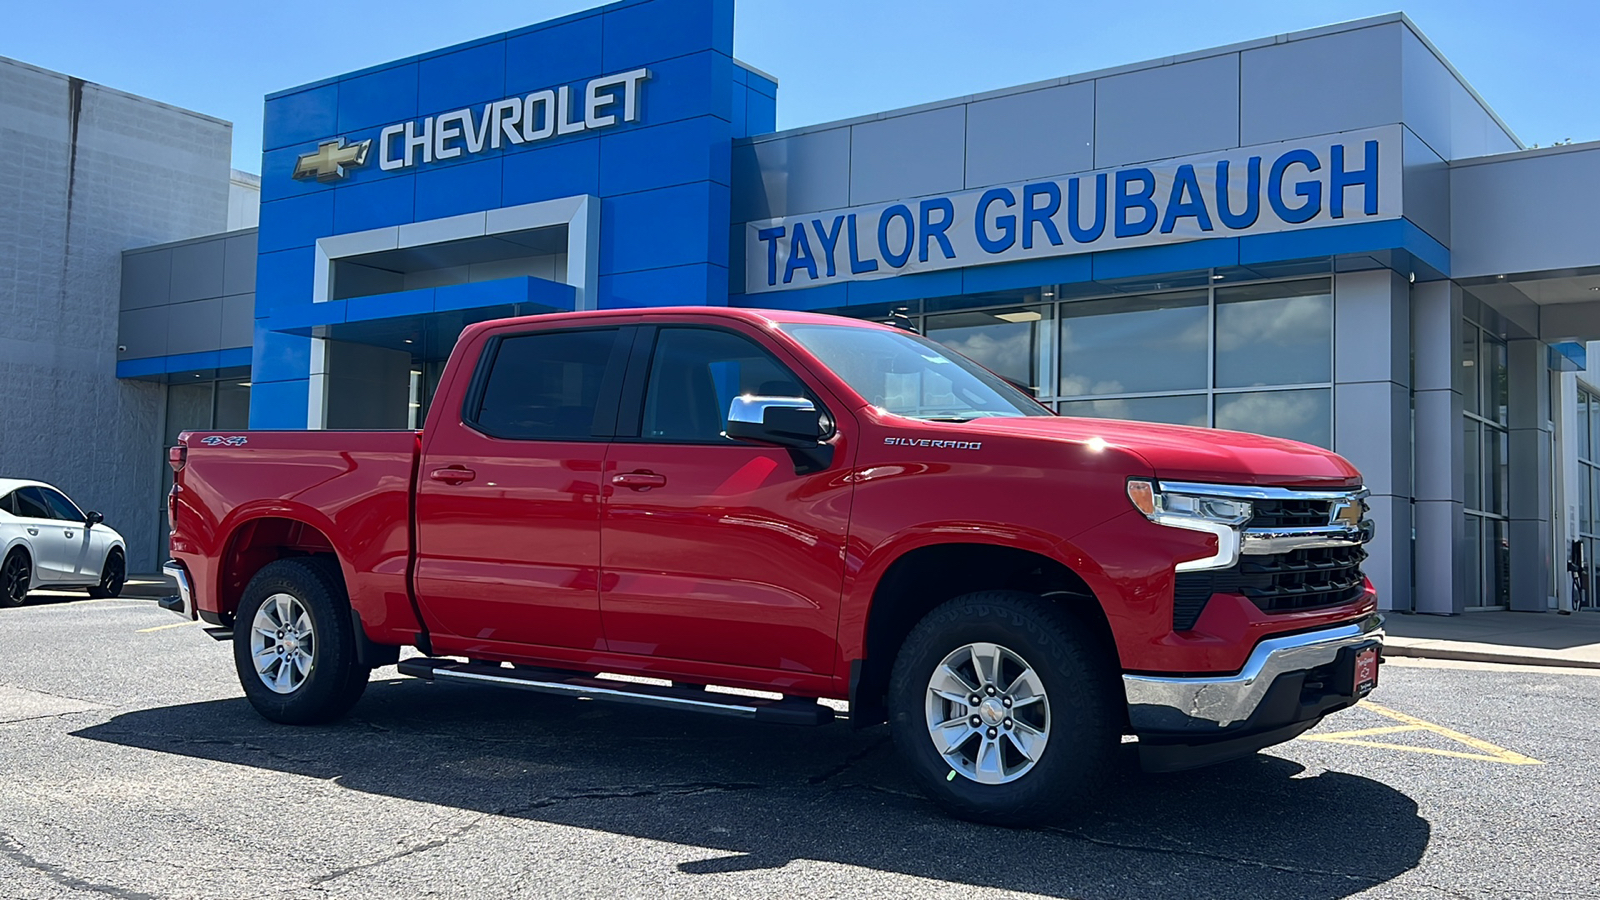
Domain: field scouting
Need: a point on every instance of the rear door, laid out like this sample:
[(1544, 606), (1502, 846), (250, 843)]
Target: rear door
[(508, 494), (47, 536), (715, 550)]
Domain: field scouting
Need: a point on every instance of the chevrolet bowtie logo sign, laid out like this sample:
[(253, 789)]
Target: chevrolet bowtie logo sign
[(1346, 513), (331, 159)]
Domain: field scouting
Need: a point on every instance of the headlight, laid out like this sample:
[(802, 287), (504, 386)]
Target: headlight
[(1217, 516), (1159, 505)]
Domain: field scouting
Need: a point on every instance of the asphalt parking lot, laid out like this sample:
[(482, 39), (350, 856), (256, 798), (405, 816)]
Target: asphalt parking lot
[(131, 767)]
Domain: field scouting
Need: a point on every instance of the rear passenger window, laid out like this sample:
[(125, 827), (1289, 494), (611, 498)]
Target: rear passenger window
[(30, 504), (547, 386), (8, 503)]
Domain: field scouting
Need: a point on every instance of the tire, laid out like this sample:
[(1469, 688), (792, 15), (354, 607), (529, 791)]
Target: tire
[(308, 687), (1073, 738), (16, 574), (113, 575)]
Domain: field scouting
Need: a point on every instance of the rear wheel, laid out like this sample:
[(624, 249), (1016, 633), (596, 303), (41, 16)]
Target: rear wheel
[(112, 576), (293, 643), (15, 576), (1004, 711)]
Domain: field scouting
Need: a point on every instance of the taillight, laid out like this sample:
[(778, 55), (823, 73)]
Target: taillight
[(176, 456), (172, 509)]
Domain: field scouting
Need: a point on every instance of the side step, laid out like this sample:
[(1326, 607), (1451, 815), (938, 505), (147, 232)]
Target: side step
[(788, 711)]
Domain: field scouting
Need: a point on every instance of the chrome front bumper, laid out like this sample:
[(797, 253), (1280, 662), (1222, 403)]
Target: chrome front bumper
[(184, 605), (1211, 705)]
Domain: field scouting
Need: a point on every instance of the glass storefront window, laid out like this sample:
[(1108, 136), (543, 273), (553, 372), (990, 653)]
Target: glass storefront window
[(1273, 334), (1467, 373), (1471, 450), (1188, 409), (1299, 415), (1135, 345), (1012, 343), (1496, 389), (1497, 564)]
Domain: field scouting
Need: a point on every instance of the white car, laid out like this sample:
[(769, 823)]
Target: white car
[(46, 541)]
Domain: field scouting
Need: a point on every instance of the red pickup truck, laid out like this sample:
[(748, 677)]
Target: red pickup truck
[(804, 507)]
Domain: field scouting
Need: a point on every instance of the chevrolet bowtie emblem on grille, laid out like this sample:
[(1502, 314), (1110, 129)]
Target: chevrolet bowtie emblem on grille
[(331, 159), (1346, 513)]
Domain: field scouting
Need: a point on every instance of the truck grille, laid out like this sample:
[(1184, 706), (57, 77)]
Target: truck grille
[(1277, 583), (1290, 513)]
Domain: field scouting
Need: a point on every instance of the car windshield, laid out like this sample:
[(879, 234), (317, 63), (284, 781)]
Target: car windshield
[(909, 375)]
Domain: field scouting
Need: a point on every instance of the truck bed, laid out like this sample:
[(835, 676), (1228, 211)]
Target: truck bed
[(311, 491)]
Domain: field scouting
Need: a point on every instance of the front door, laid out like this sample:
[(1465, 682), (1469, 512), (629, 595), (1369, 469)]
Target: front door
[(81, 564), (51, 539), (508, 494), (714, 550)]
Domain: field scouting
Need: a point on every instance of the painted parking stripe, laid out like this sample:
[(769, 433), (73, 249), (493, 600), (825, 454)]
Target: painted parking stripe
[(1486, 752), (163, 627)]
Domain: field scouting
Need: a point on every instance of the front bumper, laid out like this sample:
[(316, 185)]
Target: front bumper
[(1286, 686)]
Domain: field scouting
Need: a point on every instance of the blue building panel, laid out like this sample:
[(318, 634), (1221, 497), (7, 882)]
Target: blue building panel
[(568, 169), (283, 279), (374, 204), (310, 115), (546, 57), (662, 228), (453, 190), (666, 29), (905, 287), (279, 404), (688, 86), (379, 98), (677, 153), (1186, 257), (761, 113), (693, 285), (389, 306), (295, 222), (462, 78), (279, 356)]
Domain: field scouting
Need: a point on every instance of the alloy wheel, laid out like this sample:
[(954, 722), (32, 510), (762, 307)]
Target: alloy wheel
[(282, 643), (987, 713), (18, 575)]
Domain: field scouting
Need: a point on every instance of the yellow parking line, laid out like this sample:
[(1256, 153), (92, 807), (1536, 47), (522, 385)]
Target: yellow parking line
[(163, 627), (1487, 752)]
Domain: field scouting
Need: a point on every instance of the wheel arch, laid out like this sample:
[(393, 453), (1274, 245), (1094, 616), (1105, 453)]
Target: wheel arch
[(920, 578), (20, 543), (254, 541)]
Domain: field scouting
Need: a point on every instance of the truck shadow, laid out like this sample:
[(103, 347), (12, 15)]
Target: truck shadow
[(761, 796)]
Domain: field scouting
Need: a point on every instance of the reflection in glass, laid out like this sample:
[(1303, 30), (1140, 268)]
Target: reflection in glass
[(1497, 559), (1467, 374), (1582, 425), (1004, 341), (1181, 410), (1471, 459), (1135, 344), (1494, 471), (1585, 503), (1496, 390), (1275, 334), (1594, 427), (1300, 415), (1472, 561)]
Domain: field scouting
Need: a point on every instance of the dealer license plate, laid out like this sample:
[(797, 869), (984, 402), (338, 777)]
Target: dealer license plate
[(1366, 671)]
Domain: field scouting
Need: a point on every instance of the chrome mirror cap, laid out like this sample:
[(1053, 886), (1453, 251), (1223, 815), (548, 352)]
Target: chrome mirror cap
[(752, 410)]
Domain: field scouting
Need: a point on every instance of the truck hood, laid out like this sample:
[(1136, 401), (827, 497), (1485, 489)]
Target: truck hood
[(1185, 453)]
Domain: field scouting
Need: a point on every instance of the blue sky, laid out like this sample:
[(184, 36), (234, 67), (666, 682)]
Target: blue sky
[(1531, 60)]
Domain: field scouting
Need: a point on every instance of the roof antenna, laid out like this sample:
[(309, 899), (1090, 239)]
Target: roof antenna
[(899, 319)]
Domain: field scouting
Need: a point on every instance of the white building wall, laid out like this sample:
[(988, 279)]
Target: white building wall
[(88, 173), (244, 200)]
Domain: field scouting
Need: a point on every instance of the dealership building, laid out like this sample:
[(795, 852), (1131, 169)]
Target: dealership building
[(1325, 235)]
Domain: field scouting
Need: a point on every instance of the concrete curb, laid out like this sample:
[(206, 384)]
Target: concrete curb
[(1515, 659)]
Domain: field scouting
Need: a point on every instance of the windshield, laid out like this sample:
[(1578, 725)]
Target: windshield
[(909, 375)]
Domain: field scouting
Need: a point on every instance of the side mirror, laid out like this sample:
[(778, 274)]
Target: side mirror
[(785, 421), (794, 423), (92, 519)]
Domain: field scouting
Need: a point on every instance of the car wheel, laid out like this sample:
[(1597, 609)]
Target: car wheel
[(1004, 709), (15, 576), (112, 576), (293, 643)]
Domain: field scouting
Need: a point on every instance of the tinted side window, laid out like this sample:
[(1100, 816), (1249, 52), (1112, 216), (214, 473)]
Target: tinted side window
[(8, 503), (696, 372), (546, 386), (60, 506), (31, 505)]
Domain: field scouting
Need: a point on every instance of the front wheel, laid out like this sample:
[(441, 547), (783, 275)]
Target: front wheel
[(1004, 709), (112, 576), (294, 646)]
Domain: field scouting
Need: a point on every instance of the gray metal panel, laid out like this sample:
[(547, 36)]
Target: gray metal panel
[(146, 279), (1529, 212), (908, 156), (143, 332), (1336, 82), (1169, 111), (1031, 135), (1371, 327), (197, 270), (1425, 187), (239, 264), (238, 321), (195, 327), (1372, 429), (804, 173)]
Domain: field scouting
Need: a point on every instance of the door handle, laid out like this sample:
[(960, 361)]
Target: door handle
[(453, 474), (69, 535), (639, 481), (33, 531)]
